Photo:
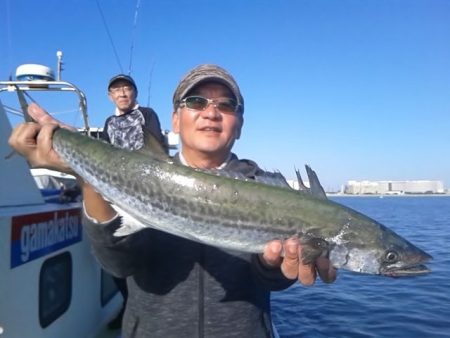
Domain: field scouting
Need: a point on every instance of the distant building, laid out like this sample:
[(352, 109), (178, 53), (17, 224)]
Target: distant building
[(394, 187)]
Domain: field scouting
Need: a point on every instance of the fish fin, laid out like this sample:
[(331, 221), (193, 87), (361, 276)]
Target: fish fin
[(315, 187), (314, 248), (273, 178), (129, 225), (153, 147), (23, 105), (301, 185)]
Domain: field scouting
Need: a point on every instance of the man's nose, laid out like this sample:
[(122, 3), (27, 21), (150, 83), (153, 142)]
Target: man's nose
[(211, 111)]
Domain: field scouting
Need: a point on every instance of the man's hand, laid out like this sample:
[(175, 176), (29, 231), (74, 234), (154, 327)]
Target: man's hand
[(42, 117), (34, 141), (291, 264)]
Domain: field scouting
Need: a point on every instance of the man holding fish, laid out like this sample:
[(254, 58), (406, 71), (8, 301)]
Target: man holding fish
[(177, 286)]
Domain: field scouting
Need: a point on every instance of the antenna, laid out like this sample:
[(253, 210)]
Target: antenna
[(59, 68)]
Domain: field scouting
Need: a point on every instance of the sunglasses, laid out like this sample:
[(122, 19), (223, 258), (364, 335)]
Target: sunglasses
[(120, 89), (225, 105)]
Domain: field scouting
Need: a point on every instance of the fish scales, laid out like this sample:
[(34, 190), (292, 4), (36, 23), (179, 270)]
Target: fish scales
[(248, 214), (232, 213)]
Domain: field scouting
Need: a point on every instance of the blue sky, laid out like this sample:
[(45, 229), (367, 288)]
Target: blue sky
[(357, 89)]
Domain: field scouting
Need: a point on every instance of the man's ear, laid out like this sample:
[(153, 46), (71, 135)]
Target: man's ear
[(176, 122), (239, 127)]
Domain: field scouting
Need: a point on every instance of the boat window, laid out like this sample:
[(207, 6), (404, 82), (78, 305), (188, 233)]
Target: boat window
[(108, 287), (55, 288)]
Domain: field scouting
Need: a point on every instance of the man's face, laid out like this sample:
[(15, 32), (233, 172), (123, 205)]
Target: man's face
[(211, 131), (123, 95)]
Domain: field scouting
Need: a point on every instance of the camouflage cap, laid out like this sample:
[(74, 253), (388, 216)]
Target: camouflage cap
[(206, 73)]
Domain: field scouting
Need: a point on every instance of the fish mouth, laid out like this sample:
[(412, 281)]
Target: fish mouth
[(414, 270)]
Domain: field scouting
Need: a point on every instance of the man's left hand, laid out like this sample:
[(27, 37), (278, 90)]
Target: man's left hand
[(291, 264)]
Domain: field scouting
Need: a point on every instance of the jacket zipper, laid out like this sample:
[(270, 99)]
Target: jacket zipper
[(201, 294)]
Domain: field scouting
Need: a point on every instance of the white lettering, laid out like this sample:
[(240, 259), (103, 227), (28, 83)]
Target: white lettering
[(25, 243), (38, 236)]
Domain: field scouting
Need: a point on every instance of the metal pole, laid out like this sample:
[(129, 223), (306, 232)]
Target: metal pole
[(59, 55)]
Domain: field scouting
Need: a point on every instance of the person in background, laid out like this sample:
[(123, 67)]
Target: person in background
[(126, 129), (179, 287)]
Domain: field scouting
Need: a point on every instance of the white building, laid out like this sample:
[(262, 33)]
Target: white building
[(394, 187)]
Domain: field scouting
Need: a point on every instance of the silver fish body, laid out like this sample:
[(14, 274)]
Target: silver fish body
[(234, 213)]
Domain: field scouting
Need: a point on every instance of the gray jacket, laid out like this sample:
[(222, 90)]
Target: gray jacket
[(181, 288)]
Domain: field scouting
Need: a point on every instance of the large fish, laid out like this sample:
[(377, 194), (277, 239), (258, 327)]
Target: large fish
[(235, 213)]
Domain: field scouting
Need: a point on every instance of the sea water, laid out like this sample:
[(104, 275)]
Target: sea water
[(358, 305)]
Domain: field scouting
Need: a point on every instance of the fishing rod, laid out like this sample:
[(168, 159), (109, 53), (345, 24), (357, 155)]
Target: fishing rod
[(111, 41), (105, 25), (132, 43), (133, 34)]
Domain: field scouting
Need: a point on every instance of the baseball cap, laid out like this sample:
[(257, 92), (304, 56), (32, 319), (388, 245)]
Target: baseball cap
[(206, 73), (122, 77)]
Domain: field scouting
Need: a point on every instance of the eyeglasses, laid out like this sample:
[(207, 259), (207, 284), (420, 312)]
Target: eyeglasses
[(120, 89), (225, 105)]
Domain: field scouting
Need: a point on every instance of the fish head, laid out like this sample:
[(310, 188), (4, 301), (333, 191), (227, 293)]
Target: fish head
[(402, 258), (389, 255)]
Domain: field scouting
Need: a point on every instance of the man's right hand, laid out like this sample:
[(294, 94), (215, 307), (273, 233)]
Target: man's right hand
[(34, 141)]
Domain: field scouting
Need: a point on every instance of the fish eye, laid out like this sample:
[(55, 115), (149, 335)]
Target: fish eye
[(391, 256), (319, 243)]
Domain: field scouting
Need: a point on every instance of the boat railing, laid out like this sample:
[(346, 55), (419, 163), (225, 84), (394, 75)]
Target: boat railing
[(45, 85)]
